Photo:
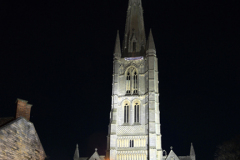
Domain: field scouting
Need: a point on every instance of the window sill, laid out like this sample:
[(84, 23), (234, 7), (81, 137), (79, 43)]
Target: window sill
[(136, 123), (132, 94)]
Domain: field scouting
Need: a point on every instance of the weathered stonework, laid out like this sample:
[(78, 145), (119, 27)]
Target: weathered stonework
[(19, 141), (134, 129), (130, 130)]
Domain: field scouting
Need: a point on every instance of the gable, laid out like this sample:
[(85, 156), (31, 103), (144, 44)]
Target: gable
[(95, 156), (19, 140), (172, 156)]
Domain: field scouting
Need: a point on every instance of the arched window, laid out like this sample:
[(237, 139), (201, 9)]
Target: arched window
[(126, 113), (136, 113), (135, 79), (131, 81), (131, 143), (128, 82)]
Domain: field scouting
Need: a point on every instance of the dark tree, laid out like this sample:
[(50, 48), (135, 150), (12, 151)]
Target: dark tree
[(229, 150)]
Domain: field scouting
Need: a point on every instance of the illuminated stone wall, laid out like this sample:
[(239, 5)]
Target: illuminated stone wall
[(19, 141)]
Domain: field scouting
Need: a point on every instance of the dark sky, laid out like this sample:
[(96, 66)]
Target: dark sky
[(58, 56)]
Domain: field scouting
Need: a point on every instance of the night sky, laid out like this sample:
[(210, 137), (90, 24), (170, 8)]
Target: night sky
[(58, 56)]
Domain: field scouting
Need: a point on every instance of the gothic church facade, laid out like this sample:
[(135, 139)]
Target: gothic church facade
[(134, 130)]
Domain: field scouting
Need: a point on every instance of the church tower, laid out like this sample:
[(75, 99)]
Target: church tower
[(134, 129)]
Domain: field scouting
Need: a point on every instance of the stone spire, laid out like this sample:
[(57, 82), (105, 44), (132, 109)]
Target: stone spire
[(192, 153), (150, 44), (134, 38), (76, 155), (117, 50)]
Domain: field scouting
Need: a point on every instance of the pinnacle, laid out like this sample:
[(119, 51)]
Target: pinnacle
[(76, 155), (192, 152), (151, 44), (117, 50)]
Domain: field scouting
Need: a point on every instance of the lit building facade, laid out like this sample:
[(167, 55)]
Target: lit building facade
[(134, 129)]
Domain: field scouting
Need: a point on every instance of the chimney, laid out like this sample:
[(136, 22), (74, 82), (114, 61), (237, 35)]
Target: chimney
[(23, 109)]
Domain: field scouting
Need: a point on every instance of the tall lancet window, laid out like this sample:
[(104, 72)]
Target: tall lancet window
[(136, 113), (135, 79), (132, 81), (126, 113), (128, 82)]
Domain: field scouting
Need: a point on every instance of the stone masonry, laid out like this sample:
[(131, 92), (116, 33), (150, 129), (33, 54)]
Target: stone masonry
[(19, 141)]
